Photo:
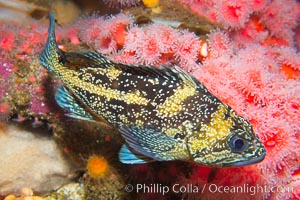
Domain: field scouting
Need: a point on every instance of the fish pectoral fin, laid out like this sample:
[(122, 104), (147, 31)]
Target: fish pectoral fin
[(129, 156), (149, 142), (65, 100)]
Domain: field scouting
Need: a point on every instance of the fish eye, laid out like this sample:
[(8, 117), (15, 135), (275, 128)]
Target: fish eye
[(238, 144)]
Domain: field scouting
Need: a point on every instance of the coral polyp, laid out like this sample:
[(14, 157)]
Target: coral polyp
[(97, 167), (151, 3)]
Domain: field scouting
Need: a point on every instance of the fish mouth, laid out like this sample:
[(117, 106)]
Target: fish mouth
[(247, 162)]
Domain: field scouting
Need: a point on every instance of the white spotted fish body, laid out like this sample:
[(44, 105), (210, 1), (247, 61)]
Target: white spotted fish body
[(163, 113)]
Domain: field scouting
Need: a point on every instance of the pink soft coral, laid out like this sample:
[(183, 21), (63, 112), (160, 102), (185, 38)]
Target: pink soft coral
[(187, 50), (144, 44), (250, 80), (219, 44), (153, 44), (157, 44), (278, 16), (252, 32), (103, 34), (233, 13), (281, 17), (230, 13), (258, 5)]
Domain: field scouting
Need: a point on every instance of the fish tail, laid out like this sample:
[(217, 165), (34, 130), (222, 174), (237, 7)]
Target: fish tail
[(50, 56)]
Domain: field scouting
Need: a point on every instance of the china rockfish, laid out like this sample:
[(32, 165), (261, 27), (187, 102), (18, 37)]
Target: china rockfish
[(163, 113)]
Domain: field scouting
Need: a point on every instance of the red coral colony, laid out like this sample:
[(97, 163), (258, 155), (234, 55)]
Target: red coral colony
[(252, 64)]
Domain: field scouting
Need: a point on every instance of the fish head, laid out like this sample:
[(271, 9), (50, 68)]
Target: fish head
[(227, 141), (244, 146)]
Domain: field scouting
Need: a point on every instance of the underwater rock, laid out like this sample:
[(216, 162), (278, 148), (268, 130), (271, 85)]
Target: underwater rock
[(31, 161), (66, 11)]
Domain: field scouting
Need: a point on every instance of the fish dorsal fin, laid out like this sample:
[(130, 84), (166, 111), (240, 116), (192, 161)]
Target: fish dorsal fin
[(164, 72), (51, 52), (128, 156), (84, 59), (149, 142), (65, 100), (174, 74), (96, 57), (184, 76)]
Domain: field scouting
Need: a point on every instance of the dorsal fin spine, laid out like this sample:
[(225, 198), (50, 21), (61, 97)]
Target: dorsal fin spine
[(50, 55)]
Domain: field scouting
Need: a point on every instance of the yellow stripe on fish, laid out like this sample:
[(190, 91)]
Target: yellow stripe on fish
[(71, 78), (175, 103), (219, 127)]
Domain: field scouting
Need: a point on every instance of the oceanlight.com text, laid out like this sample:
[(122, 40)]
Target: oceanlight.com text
[(206, 188)]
